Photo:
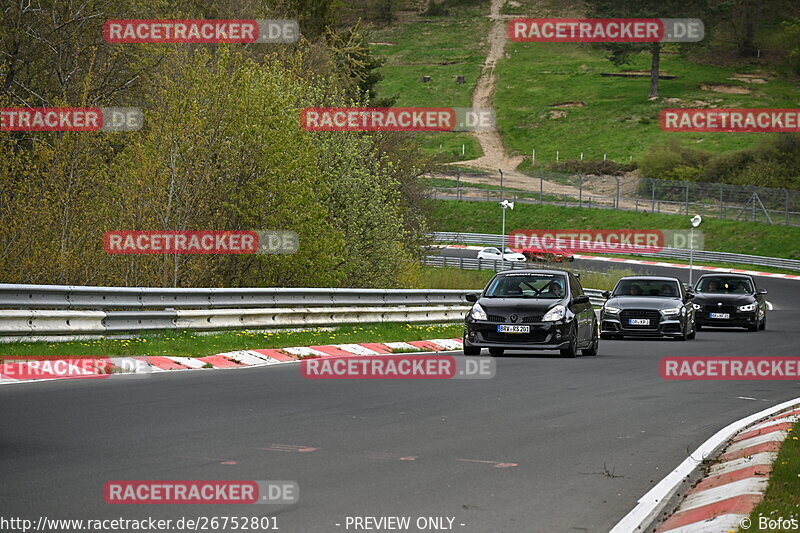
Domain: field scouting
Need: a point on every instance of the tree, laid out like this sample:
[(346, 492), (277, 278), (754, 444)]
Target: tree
[(620, 53)]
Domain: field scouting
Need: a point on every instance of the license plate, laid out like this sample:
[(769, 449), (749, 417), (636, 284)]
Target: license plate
[(720, 315), (513, 329), (639, 321)]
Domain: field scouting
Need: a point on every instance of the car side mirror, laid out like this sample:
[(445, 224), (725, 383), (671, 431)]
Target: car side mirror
[(471, 297), (582, 299), (606, 294), (761, 291)]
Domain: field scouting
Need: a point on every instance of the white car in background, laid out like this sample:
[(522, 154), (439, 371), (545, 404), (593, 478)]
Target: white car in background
[(494, 255)]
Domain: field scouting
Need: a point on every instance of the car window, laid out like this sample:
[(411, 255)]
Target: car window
[(575, 286), (724, 285), (548, 286), (658, 288)]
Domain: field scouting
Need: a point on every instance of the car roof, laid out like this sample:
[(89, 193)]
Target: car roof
[(532, 271), (657, 278), (726, 274)]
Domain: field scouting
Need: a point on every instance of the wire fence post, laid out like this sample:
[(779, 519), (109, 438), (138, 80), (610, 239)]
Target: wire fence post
[(653, 187), (541, 188), (786, 205), (686, 195), (580, 190), (616, 199)]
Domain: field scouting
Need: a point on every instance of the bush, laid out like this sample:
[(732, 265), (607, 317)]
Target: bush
[(593, 166)]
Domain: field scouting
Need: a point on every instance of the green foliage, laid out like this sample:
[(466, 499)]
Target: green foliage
[(592, 166)]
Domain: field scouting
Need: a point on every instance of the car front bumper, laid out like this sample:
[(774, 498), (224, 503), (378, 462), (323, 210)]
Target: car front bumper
[(542, 336), (665, 328), (737, 320)]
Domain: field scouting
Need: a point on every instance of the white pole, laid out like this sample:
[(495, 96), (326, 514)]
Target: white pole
[(503, 248), (581, 156), (533, 156), (604, 157), (691, 253), (462, 149), (556, 156)]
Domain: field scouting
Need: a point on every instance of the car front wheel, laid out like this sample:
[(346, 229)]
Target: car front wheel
[(471, 350), (571, 350)]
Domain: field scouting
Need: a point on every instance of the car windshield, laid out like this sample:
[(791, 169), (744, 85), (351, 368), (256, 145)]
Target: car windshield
[(721, 284), (549, 286), (647, 287)]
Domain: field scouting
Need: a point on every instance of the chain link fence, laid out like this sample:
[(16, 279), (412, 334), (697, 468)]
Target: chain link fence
[(729, 202)]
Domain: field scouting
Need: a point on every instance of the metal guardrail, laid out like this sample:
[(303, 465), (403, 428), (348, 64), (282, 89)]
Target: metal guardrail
[(76, 297), (311, 307), (487, 239)]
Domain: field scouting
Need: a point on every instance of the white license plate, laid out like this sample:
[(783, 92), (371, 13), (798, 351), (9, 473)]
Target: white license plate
[(639, 321), (720, 315), (513, 329)]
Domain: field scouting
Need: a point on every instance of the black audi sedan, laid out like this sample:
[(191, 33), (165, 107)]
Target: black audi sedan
[(730, 300), (531, 310), (648, 306)]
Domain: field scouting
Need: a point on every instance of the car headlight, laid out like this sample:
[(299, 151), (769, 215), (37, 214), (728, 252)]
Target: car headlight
[(748, 307), (478, 313), (556, 313), (697, 307), (611, 310), (671, 312)]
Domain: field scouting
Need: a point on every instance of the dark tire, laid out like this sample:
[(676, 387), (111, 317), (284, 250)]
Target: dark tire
[(592, 350), (754, 327), (496, 351), (692, 334), (571, 350), (471, 350), (763, 325), (606, 336)]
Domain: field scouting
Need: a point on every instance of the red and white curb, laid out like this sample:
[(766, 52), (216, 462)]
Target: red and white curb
[(686, 267), (236, 359), (732, 486)]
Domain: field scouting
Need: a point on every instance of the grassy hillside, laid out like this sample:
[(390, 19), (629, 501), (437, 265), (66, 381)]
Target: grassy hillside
[(720, 235)]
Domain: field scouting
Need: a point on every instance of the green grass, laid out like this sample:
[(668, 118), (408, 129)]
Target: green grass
[(188, 344), (442, 48), (720, 235), (618, 119), (782, 499)]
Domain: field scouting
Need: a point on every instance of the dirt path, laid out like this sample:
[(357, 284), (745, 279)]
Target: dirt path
[(494, 154)]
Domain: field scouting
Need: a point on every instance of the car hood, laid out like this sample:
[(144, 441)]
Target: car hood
[(517, 305), (646, 302), (724, 299)]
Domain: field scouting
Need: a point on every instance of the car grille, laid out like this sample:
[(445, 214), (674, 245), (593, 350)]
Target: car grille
[(627, 314), (495, 318), (532, 318), (534, 336), (731, 309)]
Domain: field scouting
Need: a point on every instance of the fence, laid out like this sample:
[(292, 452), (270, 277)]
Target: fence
[(717, 200), (486, 239), (30, 311)]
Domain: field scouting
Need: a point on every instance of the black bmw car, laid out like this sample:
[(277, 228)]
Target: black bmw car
[(648, 306), (531, 310), (730, 300)]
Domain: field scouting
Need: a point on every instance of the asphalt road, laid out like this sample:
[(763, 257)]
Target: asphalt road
[(579, 441)]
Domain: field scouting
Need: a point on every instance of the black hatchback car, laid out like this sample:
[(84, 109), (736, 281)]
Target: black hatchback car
[(648, 306), (531, 310), (730, 300)]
